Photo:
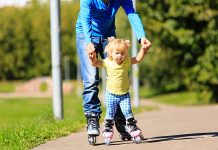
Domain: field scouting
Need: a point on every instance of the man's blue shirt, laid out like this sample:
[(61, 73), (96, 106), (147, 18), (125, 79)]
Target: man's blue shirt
[(98, 19)]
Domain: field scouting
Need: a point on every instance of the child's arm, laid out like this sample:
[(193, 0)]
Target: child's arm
[(94, 61), (140, 56)]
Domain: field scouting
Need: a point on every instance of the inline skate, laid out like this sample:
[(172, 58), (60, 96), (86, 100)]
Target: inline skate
[(92, 127), (134, 131), (108, 131)]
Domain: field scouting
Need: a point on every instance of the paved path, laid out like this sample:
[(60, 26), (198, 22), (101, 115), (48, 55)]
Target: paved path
[(170, 128)]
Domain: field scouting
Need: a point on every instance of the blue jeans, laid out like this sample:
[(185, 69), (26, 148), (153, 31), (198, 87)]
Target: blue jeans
[(90, 74)]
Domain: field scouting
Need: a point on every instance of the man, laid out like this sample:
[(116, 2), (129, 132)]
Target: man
[(95, 24)]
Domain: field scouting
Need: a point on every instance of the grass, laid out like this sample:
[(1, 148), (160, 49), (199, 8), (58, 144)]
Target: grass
[(7, 87), (28, 122), (180, 99), (177, 98), (147, 92)]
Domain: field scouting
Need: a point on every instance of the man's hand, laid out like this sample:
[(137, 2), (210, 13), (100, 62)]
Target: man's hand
[(92, 56), (90, 48), (145, 43)]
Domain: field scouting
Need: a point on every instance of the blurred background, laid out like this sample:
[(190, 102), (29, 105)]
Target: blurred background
[(181, 67), (183, 56)]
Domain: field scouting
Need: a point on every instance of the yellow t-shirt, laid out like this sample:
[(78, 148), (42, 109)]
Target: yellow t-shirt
[(117, 76)]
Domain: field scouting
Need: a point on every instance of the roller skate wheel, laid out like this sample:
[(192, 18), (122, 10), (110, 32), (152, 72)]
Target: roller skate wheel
[(92, 140), (129, 139), (125, 137), (137, 139), (107, 141)]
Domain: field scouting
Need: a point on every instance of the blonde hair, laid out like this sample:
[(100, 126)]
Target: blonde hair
[(117, 44)]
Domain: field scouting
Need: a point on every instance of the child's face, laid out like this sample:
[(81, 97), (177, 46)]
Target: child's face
[(118, 56)]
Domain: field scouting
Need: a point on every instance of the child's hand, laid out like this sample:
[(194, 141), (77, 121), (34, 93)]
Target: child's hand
[(144, 49), (145, 43)]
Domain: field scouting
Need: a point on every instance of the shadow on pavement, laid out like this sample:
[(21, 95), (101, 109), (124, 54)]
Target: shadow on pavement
[(117, 142), (166, 138), (181, 137)]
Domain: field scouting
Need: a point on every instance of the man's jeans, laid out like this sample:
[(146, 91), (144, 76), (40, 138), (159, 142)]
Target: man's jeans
[(90, 74)]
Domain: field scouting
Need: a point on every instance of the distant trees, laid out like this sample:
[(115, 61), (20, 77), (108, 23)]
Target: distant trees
[(25, 50), (185, 45)]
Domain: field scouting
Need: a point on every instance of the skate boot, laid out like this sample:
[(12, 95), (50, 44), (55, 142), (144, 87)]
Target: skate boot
[(108, 131), (120, 124), (92, 127), (134, 131)]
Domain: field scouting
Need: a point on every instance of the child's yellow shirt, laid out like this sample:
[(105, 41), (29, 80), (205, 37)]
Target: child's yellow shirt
[(117, 76)]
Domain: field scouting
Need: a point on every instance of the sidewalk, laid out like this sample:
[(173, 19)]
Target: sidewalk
[(169, 128)]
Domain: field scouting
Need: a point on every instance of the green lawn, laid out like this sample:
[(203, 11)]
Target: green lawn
[(7, 86), (180, 98), (28, 122), (177, 98), (22, 109)]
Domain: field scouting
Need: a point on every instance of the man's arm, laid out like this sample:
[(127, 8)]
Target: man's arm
[(86, 19), (136, 23), (134, 19)]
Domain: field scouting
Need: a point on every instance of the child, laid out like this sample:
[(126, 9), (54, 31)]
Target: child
[(117, 87)]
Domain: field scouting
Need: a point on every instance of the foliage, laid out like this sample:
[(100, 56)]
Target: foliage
[(25, 40), (184, 36), (43, 87)]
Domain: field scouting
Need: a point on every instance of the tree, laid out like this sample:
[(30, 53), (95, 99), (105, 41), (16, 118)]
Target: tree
[(185, 37), (25, 47)]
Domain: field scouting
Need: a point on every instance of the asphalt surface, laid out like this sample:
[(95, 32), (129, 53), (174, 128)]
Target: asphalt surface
[(169, 128)]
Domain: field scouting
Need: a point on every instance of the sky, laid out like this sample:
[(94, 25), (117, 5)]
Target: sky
[(13, 2), (17, 2)]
